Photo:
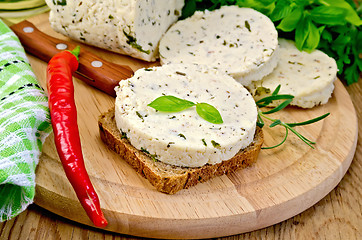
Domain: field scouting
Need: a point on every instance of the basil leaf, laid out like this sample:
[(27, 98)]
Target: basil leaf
[(351, 15), (292, 20), (173, 104), (307, 35), (313, 38), (209, 113), (329, 15), (188, 9), (281, 10), (264, 6), (302, 32), (170, 104)]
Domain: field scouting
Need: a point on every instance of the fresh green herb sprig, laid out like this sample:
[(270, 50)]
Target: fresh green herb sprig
[(170, 103), (333, 26), (275, 122)]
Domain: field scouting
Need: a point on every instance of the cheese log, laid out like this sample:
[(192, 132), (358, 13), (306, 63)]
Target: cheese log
[(309, 77), (184, 138), (238, 41), (131, 27)]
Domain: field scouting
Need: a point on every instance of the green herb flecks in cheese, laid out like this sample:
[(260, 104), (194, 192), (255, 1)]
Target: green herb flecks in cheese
[(239, 41), (132, 41), (132, 27), (60, 2), (309, 77), (184, 138)]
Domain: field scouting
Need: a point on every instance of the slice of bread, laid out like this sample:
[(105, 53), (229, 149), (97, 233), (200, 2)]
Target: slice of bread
[(165, 177)]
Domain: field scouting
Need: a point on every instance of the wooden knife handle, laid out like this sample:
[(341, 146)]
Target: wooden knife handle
[(93, 70)]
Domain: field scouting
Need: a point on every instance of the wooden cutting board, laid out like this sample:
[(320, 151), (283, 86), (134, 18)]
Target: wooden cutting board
[(283, 182)]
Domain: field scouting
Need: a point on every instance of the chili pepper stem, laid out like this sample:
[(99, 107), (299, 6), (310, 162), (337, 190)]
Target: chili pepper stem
[(75, 51)]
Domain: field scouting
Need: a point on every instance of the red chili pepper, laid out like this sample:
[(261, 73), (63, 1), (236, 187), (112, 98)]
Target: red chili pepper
[(66, 134)]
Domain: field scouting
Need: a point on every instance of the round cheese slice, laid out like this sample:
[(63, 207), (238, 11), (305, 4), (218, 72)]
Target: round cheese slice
[(241, 42), (184, 138), (309, 77)]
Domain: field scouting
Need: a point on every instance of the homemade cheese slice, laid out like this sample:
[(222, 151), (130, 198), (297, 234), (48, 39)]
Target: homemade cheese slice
[(184, 138), (309, 77), (241, 42), (132, 27)]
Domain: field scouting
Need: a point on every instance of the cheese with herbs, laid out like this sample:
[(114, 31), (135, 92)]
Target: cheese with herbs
[(239, 41), (309, 77), (131, 27), (184, 138)]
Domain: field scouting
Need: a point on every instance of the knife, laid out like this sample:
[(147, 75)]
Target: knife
[(93, 70)]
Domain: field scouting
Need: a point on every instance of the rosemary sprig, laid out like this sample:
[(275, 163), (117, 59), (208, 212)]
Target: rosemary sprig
[(277, 122)]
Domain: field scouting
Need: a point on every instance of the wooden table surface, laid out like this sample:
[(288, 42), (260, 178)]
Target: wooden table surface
[(336, 216)]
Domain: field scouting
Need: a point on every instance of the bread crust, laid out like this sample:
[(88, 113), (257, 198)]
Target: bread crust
[(167, 178)]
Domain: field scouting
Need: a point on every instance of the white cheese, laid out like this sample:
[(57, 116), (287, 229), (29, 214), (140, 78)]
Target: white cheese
[(132, 27), (184, 138), (239, 41), (309, 77)]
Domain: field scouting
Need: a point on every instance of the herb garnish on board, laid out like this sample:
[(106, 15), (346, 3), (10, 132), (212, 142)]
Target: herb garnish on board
[(264, 102), (333, 26), (170, 103)]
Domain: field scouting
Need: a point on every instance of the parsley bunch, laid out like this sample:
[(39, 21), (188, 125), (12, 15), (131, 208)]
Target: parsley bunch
[(333, 26)]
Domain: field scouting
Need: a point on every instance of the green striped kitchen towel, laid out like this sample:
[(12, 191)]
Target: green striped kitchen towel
[(24, 125)]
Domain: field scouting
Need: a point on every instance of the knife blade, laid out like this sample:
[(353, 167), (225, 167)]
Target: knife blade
[(93, 70)]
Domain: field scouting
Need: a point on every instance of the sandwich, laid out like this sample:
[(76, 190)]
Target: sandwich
[(175, 150)]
